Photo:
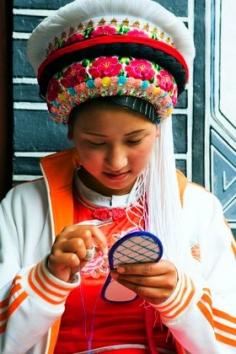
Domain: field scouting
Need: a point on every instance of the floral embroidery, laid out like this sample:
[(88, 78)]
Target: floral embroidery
[(105, 66), (107, 28), (164, 80), (140, 69), (53, 90), (138, 33), (106, 214), (75, 74), (77, 37), (111, 76), (101, 213), (103, 31)]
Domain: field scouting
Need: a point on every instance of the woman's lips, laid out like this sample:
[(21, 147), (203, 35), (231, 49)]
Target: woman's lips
[(115, 176)]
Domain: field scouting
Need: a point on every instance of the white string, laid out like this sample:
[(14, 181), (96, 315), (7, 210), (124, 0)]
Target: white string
[(163, 200), (139, 204)]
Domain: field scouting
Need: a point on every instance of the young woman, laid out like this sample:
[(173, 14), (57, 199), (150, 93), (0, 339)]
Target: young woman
[(112, 72)]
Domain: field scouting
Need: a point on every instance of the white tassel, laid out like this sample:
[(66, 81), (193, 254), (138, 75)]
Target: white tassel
[(163, 200), (165, 214)]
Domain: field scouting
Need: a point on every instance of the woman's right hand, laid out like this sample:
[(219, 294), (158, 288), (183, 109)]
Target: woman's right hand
[(68, 253)]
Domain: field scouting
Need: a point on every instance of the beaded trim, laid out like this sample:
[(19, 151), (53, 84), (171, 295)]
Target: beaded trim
[(106, 27), (111, 76)]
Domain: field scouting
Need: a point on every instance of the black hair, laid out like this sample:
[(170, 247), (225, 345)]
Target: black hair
[(133, 104)]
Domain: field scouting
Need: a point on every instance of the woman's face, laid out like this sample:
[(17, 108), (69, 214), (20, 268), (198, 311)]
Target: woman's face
[(114, 146)]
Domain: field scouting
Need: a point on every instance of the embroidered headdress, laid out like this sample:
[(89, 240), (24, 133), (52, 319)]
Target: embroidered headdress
[(90, 48)]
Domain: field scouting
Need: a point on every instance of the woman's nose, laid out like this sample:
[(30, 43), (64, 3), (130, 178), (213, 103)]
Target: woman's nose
[(116, 158)]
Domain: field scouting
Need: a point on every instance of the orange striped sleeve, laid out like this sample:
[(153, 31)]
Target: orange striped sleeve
[(221, 314), (205, 306), (9, 305), (177, 292), (224, 324), (16, 303), (179, 300), (15, 287), (225, 327), (4, 303), (52, 290), (226, 340)]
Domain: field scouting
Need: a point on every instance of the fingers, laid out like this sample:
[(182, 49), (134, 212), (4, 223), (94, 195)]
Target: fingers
[(154, 295), (70, 260), (148, 269), (70, 249), (91, 235), (76, 246), (153, 282), (76, 240)]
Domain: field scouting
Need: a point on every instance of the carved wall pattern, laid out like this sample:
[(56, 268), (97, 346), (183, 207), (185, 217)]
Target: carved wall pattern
[(220, 121)]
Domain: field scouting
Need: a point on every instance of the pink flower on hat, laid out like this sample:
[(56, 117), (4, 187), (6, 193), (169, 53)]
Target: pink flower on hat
[(105, 66), (140, 69), (53, 89), (103, 31), (75, 74), (138, 33), (77, 37), (165, 80)]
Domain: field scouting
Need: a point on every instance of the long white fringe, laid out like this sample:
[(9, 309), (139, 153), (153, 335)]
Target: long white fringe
[(165, 214)]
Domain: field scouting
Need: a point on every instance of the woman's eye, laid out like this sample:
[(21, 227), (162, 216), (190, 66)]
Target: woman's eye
[(95, 144), (134, 142)]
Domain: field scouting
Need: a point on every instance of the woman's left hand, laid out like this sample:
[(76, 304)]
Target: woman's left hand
[(154, 282)]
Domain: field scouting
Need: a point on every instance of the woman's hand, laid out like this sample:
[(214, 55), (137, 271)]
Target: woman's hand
[(154, 282), (68, 253)]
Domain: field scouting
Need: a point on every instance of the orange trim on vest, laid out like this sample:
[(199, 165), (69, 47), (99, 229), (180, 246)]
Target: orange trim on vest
[(53, 336), (59, 171)]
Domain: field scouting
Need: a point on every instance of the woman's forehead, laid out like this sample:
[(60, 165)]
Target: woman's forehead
[(108, 120)]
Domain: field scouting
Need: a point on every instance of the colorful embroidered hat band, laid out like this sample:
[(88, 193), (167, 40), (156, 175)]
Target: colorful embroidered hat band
[(111, 76)]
